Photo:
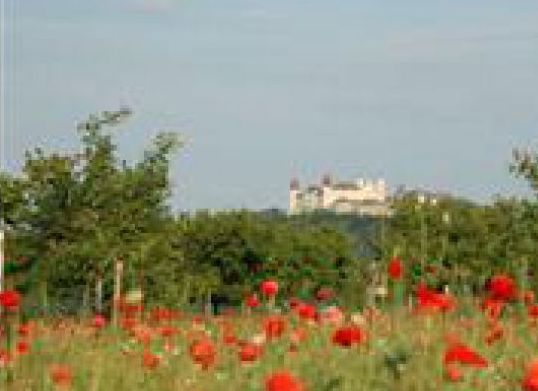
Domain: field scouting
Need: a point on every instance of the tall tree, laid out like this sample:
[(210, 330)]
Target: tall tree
[(82, 210)]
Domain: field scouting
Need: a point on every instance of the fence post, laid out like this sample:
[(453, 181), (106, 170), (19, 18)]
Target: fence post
[(117, 290), (99, 294), (86, 300)]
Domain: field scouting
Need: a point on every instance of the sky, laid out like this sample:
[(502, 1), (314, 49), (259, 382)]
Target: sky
[(427, 93)]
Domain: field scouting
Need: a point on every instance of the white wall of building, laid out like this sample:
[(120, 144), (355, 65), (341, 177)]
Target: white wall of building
[(336, 197)]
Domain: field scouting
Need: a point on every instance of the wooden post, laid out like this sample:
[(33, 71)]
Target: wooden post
[(209, 306), (186, 293), (99, 294), (118, 276), (86, 300), (44, 296)]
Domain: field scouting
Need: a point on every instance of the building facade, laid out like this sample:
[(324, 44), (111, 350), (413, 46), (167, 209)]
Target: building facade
[(361, 197)]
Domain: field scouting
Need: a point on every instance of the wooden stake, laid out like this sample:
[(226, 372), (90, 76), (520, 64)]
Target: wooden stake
[(99, 294), (118, 276)]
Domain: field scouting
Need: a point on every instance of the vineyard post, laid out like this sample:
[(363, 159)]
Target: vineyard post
[(117, 290), (99, 293)]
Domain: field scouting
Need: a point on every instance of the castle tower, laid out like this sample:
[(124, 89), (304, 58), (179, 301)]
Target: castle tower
[(326, 181), (381, 187), (326, 186), (294, 195)]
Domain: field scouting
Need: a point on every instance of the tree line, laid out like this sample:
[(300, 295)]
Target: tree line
[(69, 216)]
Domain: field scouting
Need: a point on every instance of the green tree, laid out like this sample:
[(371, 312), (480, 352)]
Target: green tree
[(242, 248), (78, 212)]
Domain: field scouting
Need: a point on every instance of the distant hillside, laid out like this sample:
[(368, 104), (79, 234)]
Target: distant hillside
[(364, 231)]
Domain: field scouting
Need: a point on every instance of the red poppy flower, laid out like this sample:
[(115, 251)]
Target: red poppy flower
[(283, 381), (349, 336), (98, 321), (10, 300), (274, 326), (130, 310), (502, 287), (460, 353), (24, 329), (269, 288), (294, 302), (168, 331), (162, 314), (298, 335), (395, 268), (61, 376), (5, 358), (533, 311), (143, 335), (493, 308), (431, 301), (150, 360), (250, 352), (332, 315), (324, 294), (530, 381), (128, 324), (203, 353), (229, 338), (307, 311), (23, 347), (252, 301), (197, 320)]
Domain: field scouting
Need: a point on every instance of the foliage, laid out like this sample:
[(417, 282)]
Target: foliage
[(78, 212), (525, 165), (242, 248)]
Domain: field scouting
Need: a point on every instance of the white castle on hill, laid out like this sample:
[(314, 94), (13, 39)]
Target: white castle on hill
[(362, 197)]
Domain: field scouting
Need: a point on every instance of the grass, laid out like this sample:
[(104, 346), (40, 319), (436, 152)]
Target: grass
[(403, 351)]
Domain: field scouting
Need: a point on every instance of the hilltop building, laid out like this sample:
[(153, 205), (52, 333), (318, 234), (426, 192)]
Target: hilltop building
[(361, 197)]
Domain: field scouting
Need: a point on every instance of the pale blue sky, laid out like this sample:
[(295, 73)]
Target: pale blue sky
[(431, 93)]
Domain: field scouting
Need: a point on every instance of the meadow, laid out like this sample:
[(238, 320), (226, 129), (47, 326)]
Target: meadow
[(434, 341)]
